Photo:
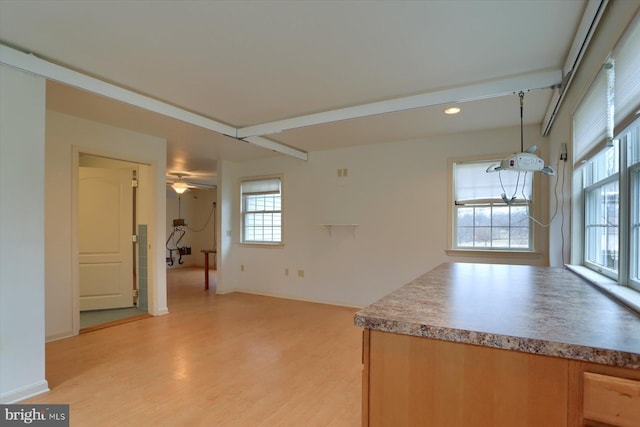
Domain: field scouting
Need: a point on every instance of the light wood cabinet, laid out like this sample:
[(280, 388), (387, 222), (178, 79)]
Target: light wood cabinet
[(414, 381), (612, 400)]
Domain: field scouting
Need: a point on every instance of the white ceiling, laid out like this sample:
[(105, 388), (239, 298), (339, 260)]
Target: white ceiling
[(249, 62)]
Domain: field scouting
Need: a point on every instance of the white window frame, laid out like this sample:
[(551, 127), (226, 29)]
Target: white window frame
[(622, 284), (588, 192), (267, 183), (634, 227), (622, 126), (533, 204)]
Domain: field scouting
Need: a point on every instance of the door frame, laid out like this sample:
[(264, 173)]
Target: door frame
[(150, 198)]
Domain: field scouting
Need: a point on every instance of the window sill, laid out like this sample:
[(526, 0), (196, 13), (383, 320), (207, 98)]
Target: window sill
[(623, 294), (494, 254), (262, 245)]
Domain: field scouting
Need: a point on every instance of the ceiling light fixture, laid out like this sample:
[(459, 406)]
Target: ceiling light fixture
[(452, 110), (179, 187)]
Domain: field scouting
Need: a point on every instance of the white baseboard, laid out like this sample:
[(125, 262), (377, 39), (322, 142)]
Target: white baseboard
[(293, 297), (162, 312), (58, 336), (25, 392)]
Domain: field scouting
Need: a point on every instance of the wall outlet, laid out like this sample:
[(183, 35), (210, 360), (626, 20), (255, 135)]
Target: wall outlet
[(345, 172), (286, 271), (563, 151), (241, 267), (300, 273), (339, 172)]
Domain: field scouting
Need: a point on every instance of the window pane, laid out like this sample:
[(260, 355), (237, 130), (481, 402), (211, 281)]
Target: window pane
[(482, 217), (493, 227), (465, 237), (500, 237), (520, 237), (601, 222), (500, 216), (482, 237), (603, 165), (465, 217), (520, 216)]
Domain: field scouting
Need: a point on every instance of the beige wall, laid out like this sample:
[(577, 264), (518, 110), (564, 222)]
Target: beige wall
[(66, 137), (397, 193), (22, 273)]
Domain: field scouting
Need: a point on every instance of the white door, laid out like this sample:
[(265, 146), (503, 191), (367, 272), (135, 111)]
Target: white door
[(105, 203)]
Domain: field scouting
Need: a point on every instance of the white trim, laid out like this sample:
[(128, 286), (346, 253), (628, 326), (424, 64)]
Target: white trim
[(491, 89), (35, 65), (276, 146), (75, 242), (32, 64), (26, 392), (495, 253), (59, 336), (610, 287), (590, 20), (161, 312), (293, 298)]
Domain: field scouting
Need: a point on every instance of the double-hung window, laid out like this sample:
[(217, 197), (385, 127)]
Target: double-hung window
[(611, 208), (491, 210), (606, 142), (601, 183), (261, 210)]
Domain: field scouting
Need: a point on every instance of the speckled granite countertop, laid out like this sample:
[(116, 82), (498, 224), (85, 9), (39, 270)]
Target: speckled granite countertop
[(541, 310)]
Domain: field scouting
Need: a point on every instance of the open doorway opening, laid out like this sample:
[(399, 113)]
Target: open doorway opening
[(191, 233), (112, 243)]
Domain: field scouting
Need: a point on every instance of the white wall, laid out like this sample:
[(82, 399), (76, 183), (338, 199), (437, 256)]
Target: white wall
[(196, 208), (398, 194), (66, 137), (616, 18), (22, 330)]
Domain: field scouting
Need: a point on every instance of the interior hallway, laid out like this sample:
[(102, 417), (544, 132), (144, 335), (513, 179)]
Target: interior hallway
[(223, 360)]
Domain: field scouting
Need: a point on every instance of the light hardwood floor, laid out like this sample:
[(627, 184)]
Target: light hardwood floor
[(215, 360)]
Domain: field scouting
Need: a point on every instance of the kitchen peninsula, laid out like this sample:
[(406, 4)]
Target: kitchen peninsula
[(500, 345)]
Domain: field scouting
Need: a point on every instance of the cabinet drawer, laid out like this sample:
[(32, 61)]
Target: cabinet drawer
[(611, 400)]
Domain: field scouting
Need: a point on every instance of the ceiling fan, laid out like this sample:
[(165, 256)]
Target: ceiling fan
[(180, 185)]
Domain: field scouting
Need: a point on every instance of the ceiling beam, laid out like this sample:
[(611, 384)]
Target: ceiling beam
[(276, 146), (490, 89), (32, 64)]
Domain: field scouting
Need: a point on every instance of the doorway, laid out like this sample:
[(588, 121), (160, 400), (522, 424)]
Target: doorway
[(109, 291)]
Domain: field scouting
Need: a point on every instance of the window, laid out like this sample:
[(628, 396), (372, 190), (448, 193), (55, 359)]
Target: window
[(262, 210), (602, 211), (607, 162), (632, 140), (611, 186), (491, 210)]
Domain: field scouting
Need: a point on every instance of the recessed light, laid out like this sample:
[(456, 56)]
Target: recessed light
[(452, 110)]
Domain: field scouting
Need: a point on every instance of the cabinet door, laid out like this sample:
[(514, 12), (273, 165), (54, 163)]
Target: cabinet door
[(611, 400), (416, 381)]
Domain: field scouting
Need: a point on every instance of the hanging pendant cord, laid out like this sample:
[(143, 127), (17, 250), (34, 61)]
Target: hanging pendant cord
[(521, 95)]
